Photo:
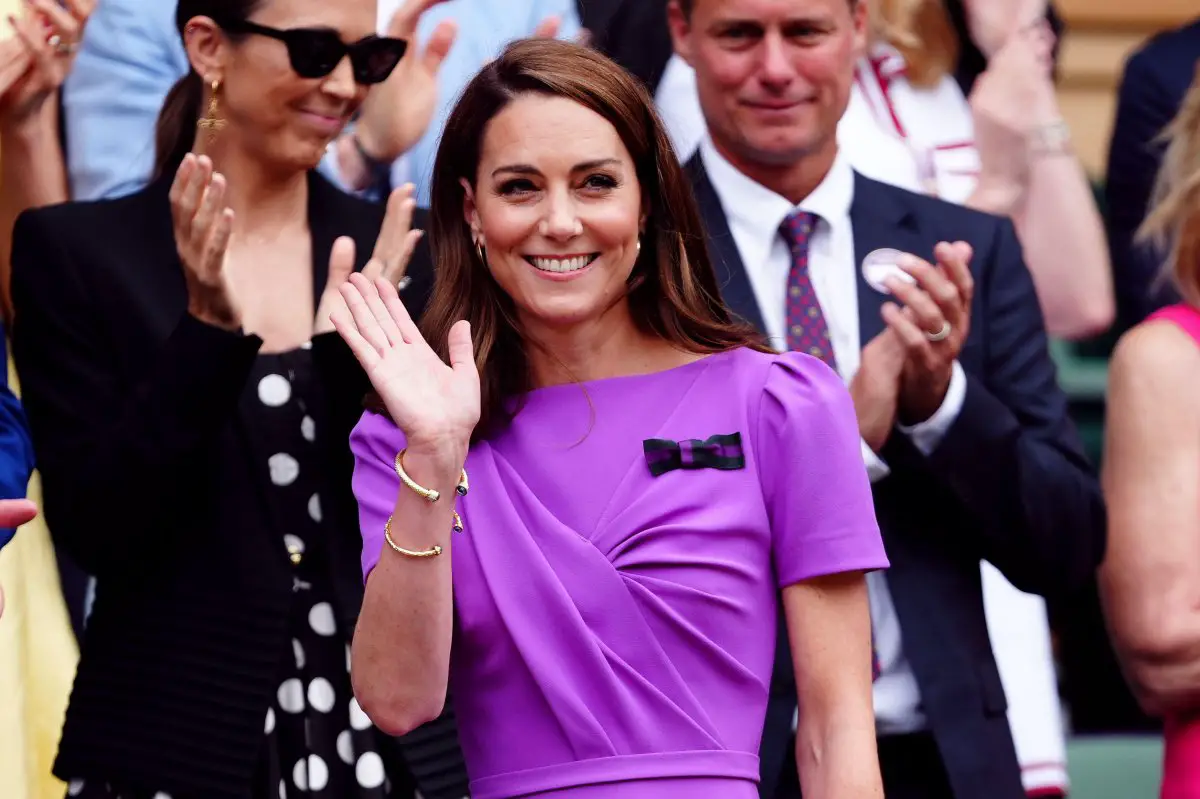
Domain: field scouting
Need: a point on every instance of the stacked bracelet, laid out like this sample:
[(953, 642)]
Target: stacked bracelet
[(408, 553), (428, 493), (431, 495)]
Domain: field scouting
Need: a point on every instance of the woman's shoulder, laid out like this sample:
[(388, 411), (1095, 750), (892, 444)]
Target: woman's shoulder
[(121, 235), (787, 372), (116, 216), (1160, 355)]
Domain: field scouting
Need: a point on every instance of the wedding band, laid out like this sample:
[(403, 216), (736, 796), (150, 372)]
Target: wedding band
[(403, 283), (60, 45), (942, 334)]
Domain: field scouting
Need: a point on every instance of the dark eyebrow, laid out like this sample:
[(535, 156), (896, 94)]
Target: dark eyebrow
[(526, 169)]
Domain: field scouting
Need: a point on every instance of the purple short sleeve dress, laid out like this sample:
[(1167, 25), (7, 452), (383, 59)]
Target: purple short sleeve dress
[(615, 630)]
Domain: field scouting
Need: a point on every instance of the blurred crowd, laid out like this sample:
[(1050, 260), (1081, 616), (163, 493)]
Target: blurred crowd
[(113, 114)]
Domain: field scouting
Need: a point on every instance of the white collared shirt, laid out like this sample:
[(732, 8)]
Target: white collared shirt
[(755, 214)]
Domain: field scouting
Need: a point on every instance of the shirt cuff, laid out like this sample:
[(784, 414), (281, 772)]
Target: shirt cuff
[(876, 468), (928, 434)]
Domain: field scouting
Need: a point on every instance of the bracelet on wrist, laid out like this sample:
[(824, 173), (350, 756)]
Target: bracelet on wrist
[(432, 552), (379, 171), (430, 494), (1050, 138)]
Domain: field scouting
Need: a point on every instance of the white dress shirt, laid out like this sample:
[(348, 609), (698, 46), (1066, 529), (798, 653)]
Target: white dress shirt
[(755, 214)]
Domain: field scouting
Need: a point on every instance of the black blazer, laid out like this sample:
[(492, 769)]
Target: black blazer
[(144, 456), (1152, 89), (1009, 483)]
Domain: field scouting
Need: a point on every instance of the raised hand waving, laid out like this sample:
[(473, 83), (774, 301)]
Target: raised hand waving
[(430, 400)]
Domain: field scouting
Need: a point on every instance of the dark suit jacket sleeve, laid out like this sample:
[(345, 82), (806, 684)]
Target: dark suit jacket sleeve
[(1145, 105), (107, 449), (16, 450), (1013, 456)]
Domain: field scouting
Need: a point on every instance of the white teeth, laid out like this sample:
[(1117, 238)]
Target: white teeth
[(561, 264)]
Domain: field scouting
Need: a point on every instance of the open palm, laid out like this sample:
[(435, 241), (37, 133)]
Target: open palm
[(426, 398)]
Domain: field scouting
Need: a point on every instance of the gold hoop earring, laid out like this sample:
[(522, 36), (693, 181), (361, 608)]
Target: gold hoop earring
[(211, 122), (479, 251)]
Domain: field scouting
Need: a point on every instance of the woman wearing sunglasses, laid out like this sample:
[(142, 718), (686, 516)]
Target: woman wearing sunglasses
[(190, 405)]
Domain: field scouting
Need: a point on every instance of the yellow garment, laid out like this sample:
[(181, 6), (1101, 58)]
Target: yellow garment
[(38, 655)]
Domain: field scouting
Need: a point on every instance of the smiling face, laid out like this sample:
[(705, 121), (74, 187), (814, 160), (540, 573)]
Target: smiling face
[(558, 207), (272, 112), (774, 76)]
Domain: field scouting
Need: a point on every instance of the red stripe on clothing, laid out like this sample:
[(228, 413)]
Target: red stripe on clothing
[(885, 90)]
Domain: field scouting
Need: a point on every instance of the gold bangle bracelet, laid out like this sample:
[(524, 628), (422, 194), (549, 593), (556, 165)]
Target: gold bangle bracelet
[(430, 494), (408, 553)]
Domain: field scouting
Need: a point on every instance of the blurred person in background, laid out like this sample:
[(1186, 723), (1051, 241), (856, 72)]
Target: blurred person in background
[(1154, 82), (1003, 149), (131, 57), (963, 414), (38, 652), (1150, 581), (175, 354)]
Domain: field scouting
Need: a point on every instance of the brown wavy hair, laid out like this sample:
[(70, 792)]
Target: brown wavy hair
[(673, 291), (1173, 223)]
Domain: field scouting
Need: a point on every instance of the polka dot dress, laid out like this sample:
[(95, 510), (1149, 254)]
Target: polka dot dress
[(318, 741)]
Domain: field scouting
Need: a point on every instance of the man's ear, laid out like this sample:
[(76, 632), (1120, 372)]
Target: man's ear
[(681, 30)]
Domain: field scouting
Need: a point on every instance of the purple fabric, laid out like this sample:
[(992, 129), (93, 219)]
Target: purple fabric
[(617, 629)]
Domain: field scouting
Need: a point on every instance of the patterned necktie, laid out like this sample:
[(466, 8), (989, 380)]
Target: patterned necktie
[(806, 327)]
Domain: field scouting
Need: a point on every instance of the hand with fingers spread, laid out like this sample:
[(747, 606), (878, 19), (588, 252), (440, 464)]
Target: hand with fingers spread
[(397, 112), (35, 64), (932, 326), (203, 225), (436, 405), (393, 250)]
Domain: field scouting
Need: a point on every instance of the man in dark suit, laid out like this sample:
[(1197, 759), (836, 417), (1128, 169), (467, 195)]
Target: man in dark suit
[(965, 431), (1152, 89)]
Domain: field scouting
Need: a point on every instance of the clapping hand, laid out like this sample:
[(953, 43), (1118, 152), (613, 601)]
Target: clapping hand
[(932, 326), (1010, 99), (389, 260), (993, 22), (875, 388), (203, 224), (435, 404), (34, 64), (397, 113)]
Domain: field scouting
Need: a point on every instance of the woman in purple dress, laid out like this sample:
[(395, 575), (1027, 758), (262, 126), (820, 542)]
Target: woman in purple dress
[(581, 499)]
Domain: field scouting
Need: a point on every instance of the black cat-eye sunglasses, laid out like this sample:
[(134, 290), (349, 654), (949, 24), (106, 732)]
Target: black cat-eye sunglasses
[(315, 52)]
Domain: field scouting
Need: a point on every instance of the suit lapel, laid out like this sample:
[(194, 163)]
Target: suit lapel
[(735, 286), (880, 221)]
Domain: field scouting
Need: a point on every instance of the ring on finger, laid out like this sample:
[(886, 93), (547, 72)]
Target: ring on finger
[(403, 283), (941, 335), (60, 45)]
